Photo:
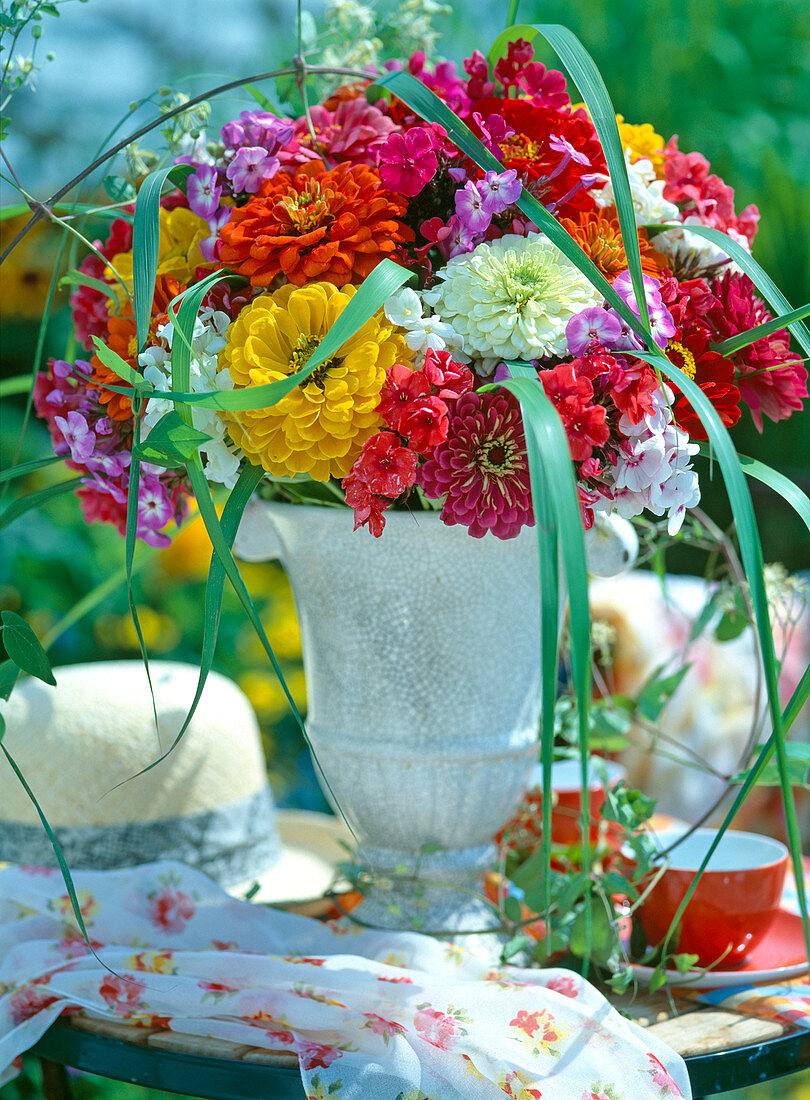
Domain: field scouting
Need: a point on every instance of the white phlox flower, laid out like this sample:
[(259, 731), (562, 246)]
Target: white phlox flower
[(405, 309), (221, 457), (648, 193)]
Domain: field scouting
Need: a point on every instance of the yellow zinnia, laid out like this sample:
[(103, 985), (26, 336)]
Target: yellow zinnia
[(320, 427), (179, 252)]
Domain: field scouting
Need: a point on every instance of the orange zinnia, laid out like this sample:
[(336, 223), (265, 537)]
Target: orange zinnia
[(597, 232), (122, 339), (328, 225)]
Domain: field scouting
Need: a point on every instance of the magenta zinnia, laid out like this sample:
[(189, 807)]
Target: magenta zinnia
[(482, 467)]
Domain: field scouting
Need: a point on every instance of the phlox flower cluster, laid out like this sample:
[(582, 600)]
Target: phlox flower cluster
[(295, 213)]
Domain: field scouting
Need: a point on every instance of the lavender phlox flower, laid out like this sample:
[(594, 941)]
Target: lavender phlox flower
[(209, 246), (459, 240), (79, 436), (249, 168), (560, 145), (103, 426), (62, 369), (593, 327), (256, 128), (495, 130), (457, 175), (155, 509), (662, 325), (204, 191), (499, 190), (470, 209)]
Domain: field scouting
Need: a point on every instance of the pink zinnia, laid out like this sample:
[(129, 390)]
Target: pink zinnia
[(482, 467), (408, 161), (771, 379), (354, 132)]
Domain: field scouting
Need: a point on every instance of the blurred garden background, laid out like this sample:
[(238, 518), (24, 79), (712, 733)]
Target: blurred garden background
[(730, 77)]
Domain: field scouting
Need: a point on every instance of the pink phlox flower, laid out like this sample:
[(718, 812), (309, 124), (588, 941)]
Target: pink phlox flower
[(571, 393), (450, 378), (250, 167), (689, 184), (509, 69), (402, 390), (662, 326), (425, 424), (79, 436), (155, 509), (499, 190), (469, 204), (560, 145), (459, 239), (479, 86), (444, 81), (593, 327), (408, 161), (493, 131), (544, 87), (204, 191)]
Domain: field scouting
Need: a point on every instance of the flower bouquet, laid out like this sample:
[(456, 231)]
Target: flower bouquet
[(479, 293)]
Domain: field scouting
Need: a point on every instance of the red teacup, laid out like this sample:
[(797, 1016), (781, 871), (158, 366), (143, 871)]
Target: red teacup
[(735, 900)]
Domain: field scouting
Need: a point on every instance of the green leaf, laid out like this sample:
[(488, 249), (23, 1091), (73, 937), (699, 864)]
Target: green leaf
[(512, 909), (658, 979), (119, 188), (121, 367), (614, 883), (603, 934), (171, 442), (78, 278), (733, 622), (514, 947), (658, 690), (24, 649), (9, 673), (684, 962)]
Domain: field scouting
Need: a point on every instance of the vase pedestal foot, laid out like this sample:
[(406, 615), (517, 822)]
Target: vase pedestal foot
[(440, 894)]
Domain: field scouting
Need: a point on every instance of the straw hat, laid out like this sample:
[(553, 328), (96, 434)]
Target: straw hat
[(207, 804)]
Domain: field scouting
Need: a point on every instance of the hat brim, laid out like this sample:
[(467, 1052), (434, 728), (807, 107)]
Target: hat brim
[(312, 846)]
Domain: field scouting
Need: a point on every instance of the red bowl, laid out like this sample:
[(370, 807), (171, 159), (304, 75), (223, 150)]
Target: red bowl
[(735, 900)]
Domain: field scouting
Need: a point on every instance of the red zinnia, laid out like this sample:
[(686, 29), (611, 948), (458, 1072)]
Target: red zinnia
[(530, 152)]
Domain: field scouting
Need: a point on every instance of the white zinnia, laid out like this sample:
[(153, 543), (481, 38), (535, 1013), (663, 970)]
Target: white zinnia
[(512, 298), (650, 206)]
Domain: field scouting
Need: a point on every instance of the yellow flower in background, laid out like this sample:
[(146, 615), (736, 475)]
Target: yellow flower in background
[(320, 427), (188, 556), (267, 696), (160, 632), (27, 270), (642, 141), (179, 252)]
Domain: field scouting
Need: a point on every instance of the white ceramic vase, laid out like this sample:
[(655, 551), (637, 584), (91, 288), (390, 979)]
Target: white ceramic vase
[(422, 660)]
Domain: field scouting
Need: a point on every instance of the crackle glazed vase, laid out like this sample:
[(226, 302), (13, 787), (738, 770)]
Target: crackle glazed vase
[(422, 662)]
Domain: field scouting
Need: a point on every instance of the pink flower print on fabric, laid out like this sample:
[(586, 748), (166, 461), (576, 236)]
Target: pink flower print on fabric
[(663, 1078), (437, 1028), (170, 910), (569, 987), (27, 1002), (123, 994), (316, 1055)]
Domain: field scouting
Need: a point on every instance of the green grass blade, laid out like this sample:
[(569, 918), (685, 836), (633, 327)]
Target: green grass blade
[(758, 276), (35, 500), (585, 75), (751, 555), (780, 484), (25, 468), (743, 339), (145, 241), (429, 107), (223, 552), (241, 493), (558, 481)]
